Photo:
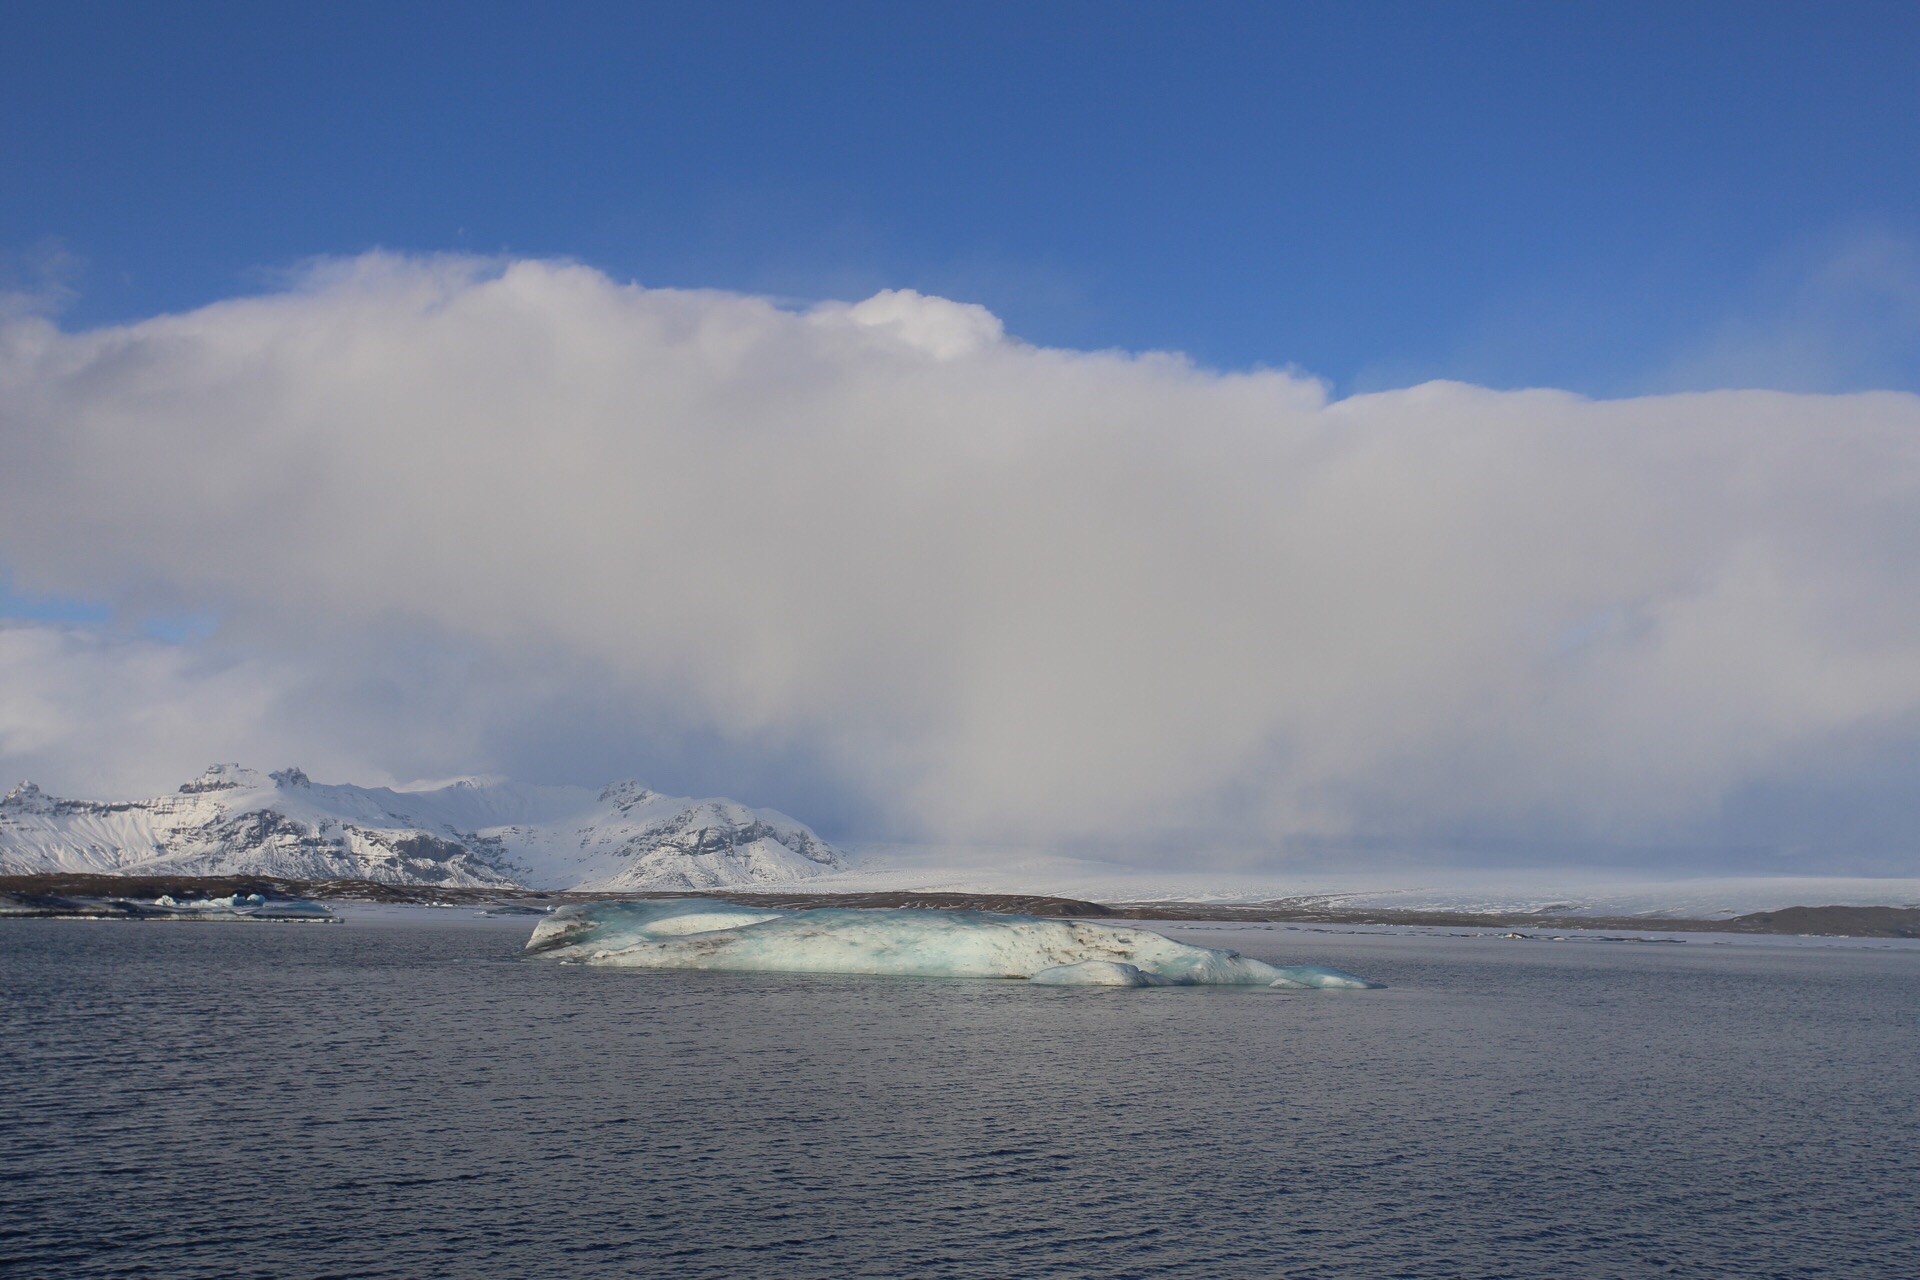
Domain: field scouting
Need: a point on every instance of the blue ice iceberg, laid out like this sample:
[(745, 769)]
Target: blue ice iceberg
[(699, 933)]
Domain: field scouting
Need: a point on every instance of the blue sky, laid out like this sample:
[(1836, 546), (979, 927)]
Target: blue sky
[(332, 435), (1608, 197)]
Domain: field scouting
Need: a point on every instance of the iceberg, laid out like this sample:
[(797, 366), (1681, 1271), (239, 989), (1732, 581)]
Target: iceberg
[(241, 906), (700, 933)]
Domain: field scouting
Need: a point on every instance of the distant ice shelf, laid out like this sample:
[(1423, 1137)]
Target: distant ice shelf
[(699, 933)]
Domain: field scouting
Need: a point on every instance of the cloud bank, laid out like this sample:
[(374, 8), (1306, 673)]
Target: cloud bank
[(972, 589)]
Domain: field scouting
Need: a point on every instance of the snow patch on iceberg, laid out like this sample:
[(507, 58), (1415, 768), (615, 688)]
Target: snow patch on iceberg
[(698, 933)]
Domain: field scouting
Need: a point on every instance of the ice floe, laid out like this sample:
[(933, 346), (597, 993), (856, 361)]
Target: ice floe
[(698, 933)]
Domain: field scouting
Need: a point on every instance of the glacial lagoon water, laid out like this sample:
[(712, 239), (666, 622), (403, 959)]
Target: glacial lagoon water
[(402, 1095)]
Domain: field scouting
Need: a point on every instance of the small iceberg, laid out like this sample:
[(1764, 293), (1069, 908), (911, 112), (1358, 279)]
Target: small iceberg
[(242, 906), (700, 933)]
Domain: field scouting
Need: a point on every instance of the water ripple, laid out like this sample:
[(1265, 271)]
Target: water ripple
[(407, 1101)]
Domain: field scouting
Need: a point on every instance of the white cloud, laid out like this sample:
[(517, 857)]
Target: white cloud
[(1839, 313), (38, 281), (987, 590), (943, 329), (105, 716)]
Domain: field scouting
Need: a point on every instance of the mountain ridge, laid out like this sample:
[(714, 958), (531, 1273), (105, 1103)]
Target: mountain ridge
[(471, 833)]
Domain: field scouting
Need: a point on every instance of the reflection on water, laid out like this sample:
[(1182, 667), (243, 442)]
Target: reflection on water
[(407, 1098)]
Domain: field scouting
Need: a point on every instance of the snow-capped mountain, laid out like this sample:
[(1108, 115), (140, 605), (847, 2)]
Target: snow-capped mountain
[(235, 821)]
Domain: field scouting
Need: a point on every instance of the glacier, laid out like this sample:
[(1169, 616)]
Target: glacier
[(701, 933)]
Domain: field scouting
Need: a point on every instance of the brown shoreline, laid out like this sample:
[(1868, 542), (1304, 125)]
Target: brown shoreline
[(1829, 921)]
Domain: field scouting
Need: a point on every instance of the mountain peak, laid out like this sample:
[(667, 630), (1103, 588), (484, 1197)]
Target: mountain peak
[(284, 778), (27, 796), (222, 777), (628, 793)]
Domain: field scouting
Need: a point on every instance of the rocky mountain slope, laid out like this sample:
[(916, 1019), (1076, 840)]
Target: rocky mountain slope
[(236, 821)]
